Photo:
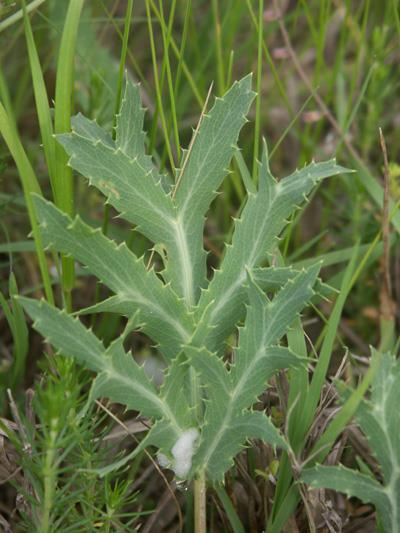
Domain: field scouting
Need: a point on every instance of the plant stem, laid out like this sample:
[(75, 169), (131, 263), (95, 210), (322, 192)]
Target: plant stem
[(64, 184), (49, 476), (257, 124), (200, 522)]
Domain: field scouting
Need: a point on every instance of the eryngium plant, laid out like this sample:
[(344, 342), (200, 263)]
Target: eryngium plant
[(203, 414), (379, 419)]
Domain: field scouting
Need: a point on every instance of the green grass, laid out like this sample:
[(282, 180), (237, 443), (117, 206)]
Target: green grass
[(346, 88)]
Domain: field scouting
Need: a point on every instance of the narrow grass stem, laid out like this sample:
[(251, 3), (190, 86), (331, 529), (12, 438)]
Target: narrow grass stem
[(30, 185), (62, 123), (257, 125), (15, 17), (124, 50), (49, 477), (118, 97), (158, 87), (218, 48), (166, 36)]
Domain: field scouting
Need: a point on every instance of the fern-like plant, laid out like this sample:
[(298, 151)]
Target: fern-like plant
[(202, 415)]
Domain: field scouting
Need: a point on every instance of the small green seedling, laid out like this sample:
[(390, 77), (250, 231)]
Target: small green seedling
[(203, 414)]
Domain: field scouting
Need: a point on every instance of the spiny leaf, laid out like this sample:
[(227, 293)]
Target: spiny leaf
[(130, 137), (74, 340), (379, 419), (273, 278), (353, 484), (123, 173), (257, 358), (91, 130), (190, 330), (255, 236), (117, 267), (173, 391), (227, 441), (226, 427), (203, 170), (126, 182), (119, 377)]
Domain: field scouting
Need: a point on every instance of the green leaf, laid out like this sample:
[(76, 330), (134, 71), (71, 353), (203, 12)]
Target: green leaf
[(122, 172), (273, 278), (119, 377), (258, 357), (353, 484), (30, 185), (226, 427), (204, 409), (126, 182), (130, 137), (91, 130), (206, 164), (379, 419), (227, 441), (255, 236), (12, 374), (161, 312)]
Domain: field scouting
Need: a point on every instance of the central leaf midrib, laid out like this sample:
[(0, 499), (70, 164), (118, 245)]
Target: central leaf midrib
[(185, 260)]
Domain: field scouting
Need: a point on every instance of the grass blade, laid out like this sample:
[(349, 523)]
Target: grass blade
[(62, 123), (29, 185), (41, 99)]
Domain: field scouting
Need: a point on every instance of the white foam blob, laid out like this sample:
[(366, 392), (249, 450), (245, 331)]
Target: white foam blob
[(163, 460), (183, 451)]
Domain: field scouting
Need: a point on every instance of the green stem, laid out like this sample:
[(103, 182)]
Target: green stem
[(64, 181), (257, 125), (200, 522), (49, 477), (30, 185), (158, 87), (118, 98)]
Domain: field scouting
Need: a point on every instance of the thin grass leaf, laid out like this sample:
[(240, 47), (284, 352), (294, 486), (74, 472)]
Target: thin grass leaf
[(29, 185), (62, 122), (42, 105)]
